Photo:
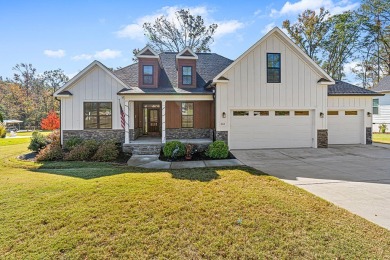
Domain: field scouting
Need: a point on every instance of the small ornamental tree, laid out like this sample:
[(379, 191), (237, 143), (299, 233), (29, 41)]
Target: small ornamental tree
[(51, 122)]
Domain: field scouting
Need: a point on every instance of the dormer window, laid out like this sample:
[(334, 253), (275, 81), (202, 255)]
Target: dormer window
[(148, 75), (187, 75)]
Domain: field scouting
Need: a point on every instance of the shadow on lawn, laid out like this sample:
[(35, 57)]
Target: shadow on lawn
[(92, 170)]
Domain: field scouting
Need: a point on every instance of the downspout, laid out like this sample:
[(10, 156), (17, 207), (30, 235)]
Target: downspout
[(59, 100)]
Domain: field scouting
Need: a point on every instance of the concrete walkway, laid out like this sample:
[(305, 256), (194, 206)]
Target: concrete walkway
[(152, 162), (354, 177)]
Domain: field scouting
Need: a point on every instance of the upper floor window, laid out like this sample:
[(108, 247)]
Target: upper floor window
[(273, 68), (148, 75), (97, 115), (375, 106), (187, 75)]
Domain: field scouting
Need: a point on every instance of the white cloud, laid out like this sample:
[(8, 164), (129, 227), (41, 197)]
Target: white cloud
[(300, 6), (268, 28), (54, 54), (101, 55), (135, 31)]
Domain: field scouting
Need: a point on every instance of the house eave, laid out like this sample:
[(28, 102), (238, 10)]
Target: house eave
[(355, 95)]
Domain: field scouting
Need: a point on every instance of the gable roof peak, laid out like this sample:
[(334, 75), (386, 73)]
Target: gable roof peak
[(187, 53), (147, 52)]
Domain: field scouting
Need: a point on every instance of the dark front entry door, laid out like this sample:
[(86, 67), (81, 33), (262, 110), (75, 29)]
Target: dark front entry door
[(153, 121)]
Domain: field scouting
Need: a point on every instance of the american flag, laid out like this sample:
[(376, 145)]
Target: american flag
[(122, 116)]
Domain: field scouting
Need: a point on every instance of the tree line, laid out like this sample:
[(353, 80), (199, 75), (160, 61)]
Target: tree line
[(28, 96)]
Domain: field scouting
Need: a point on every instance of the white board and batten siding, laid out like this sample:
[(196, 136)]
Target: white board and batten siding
[(247, 89), (383, 116), (96, 86), (348, 119)]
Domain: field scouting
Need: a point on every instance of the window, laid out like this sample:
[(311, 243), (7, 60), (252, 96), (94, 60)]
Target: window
[(375, 105), (282, 113), (301, 113), (261, 113), (240, 113), (148, 75), (187, 75), (333, 113), (187, 115), (273, 68), (97, 115), (351, 113)]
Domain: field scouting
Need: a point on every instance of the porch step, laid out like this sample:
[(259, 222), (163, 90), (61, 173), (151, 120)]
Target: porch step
[(142, 149)]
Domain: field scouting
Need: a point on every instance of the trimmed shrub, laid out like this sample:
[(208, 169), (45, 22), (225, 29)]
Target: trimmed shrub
[(72, 142), (54, 137), (38, 142), (51, 152), (218, 150), (82, 151), (3, 131), (107, 152), (171, 146)]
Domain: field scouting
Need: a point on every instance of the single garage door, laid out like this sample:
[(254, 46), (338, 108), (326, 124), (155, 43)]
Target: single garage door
[(345, 126), (255, 129)]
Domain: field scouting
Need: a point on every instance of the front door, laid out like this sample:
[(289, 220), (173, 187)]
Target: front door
[(153, 122)]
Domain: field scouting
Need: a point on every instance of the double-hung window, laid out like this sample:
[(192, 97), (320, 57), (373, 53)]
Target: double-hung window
[(147, 75), (273, 68), (187, 115), (97, 115), (375, 106), (187, 75)]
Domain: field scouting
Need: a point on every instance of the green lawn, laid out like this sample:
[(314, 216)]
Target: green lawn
[(29, 133), (381, 138), (12, 141), (97, 210)]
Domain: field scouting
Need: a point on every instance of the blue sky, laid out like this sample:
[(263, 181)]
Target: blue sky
[(71, 34)]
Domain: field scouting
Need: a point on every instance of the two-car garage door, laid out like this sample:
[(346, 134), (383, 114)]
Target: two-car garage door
[(255, 129)]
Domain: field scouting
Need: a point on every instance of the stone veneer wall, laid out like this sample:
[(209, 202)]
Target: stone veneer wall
[(188, 133), (368, 135), (322, 138), (96, 134), (221, 136)]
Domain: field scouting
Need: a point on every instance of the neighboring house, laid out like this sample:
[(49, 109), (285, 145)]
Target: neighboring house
[(381, 105), (272, 96)]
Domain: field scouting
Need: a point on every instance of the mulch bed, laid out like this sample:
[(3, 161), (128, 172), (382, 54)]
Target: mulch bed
[(28, 156), (198, 156)]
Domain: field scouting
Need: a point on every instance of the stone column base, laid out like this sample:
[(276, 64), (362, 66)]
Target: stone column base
[(368, 135), (322, 138)]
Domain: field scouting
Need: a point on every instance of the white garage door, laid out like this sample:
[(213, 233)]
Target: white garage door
[(254, 129), (345, 126)]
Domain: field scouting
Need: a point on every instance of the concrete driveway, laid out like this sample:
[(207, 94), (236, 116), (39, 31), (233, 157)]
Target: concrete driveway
[(354, 177)]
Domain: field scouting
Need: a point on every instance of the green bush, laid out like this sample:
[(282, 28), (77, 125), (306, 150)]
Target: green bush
[(106, 152), (83, 151), (382, 128), (72, 142), (218, 150), (3, 131), (37, 142), (51, 152), (169, 147)]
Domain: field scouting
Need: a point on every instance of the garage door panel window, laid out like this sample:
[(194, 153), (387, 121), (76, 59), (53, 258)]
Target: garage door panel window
[(375, 106), (351, 113), (282, 113), (333, 113), (240, 113), (261, 113), (301, 113)]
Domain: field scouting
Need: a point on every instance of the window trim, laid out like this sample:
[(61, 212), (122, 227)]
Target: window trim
[(143, 75), (182, 76), (193, 112), (280, 67), (377, 106), (97, 115)]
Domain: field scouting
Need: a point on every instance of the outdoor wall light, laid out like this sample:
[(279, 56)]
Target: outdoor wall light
[(369, 114), (223, 115), (321, 115)]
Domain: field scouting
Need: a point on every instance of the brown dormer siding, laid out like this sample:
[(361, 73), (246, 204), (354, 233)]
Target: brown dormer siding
[(156, 70), (186, 62)]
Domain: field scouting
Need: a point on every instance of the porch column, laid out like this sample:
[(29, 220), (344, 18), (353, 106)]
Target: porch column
[(131, 120), (127, 137), (163, 121)]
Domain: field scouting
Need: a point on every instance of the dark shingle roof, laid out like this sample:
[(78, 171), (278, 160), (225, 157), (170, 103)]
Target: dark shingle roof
[(208, 66), (383, 85), (65, 93), (342, 88)]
